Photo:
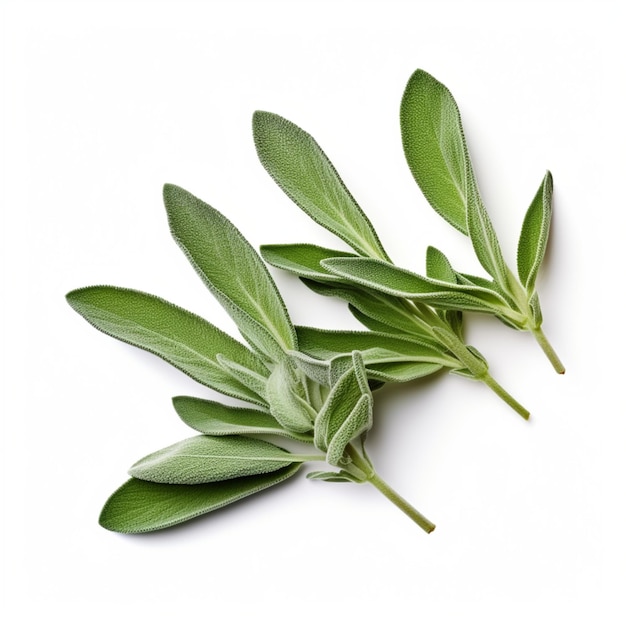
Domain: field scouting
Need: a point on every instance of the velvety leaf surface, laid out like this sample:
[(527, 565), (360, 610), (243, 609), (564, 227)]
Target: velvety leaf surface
[(139, 506), (205, 459), (301, 169), (232, 269), (183, 339)]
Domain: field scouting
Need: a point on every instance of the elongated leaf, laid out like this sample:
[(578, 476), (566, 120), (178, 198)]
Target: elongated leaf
[(253, 381), (302, 259), (484, 239), (333, 477), (139, 506), (401, 371), (183, 339), (392, 280), (206, 459), (534, 236), (301, 169), (232, 270), (434, 147), (213, 418), (386, 310)]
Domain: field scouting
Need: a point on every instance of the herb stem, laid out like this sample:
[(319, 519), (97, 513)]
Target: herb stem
[(505, 395), (548, 350), (401, 503)]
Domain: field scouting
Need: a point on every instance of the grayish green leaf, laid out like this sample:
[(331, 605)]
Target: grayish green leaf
[(438, 267), (139, 506), (206, 459), (333, 477), (434, 146), (302, 259), (183, 339), (232, 270), (301, 169), (213, 418), (534, 236), (287, 399)]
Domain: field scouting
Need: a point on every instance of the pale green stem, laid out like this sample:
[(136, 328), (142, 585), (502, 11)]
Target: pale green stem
[(548, 350), (374, 479), (505, 395)]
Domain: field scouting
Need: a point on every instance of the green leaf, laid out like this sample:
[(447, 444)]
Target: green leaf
[(206, 459), (388, 312), (302, 259), (484, 239), (534, 236), (301, 169), (213, 418), (392, 280), (333, 477), (438, 267), (286, 395), (232, 270), (139, 506), (183, 339), (434, 147), (346, 414)]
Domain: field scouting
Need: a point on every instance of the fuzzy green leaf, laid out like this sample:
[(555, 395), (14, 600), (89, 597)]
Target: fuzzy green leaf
[(206, 459), (438, 267), (301, 169), (302, 259), (392, 280), (434, 147), (534, 236), (139, 506), (286, 395), (213, 418), (183, 339), (232, 270), (346, 414)]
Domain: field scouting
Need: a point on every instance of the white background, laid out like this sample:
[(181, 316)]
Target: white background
[(105, 102)]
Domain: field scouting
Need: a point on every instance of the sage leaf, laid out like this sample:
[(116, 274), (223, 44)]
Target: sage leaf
[(301, 169), (302, 259), (438, 267), (334, 477), (434, 147), (484, 239), (232, 270), (139, 506), (181, 338), (395, 281), (534, 236), (285, 392), (214, 418), (206, 459)]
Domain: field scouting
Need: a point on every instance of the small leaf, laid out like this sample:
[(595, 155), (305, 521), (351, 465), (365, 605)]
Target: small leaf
[(333, 477), (534, 236), (183, 339), (346, 414), (434, 147), (206, 459), (139, 506), (232, 270), (301, 169), (213, 418), (285, 393), (438, 267)]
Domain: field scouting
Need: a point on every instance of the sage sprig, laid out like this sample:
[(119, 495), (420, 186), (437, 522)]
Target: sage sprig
[(384, 298), (328, 414), (437, 155)]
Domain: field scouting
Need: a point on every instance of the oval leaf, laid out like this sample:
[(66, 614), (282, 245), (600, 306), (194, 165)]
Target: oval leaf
[(205, 459), (434, 146), (232, 270), (301, 169), (139, 506), (183, 339)]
